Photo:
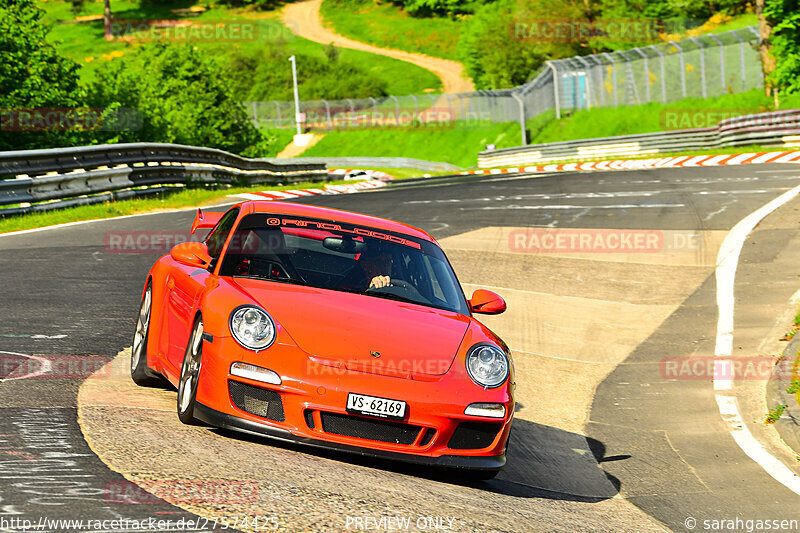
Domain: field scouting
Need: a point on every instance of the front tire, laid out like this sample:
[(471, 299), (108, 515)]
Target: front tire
[(140, 374), (190, 375)]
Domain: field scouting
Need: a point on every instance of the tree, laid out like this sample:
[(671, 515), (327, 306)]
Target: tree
[(182, 99), (107, 20), (765, 48), (504, 43), (779, 28), (33, 76)]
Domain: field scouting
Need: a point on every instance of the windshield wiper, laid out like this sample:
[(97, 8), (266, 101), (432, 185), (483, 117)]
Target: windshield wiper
[(391, 296)]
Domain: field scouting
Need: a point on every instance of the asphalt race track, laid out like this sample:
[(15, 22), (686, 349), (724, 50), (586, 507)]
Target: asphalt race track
[(606, 436)]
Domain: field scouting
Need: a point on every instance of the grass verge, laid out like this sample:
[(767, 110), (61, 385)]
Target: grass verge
[(458, 145), (183, 198), (388, 26), (650, 118)]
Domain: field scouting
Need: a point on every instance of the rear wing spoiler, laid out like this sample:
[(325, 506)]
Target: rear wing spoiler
[(205, 220)]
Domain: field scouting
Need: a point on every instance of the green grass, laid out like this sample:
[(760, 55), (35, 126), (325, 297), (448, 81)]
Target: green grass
[(648, 118), (282, 138), (183, 198), (775, 414), (738, 22), (84, 42), (458, 146), (388, 26), (406, 173)]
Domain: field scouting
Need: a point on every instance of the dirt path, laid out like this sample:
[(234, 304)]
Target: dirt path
[(304, 19)]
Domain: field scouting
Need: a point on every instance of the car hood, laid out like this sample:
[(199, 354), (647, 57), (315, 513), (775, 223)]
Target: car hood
[(362, 332)]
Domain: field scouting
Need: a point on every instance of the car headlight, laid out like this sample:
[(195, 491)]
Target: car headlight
[(487, 365), (252, 327)]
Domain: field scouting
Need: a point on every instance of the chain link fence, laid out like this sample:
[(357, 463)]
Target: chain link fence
[(701, 67)]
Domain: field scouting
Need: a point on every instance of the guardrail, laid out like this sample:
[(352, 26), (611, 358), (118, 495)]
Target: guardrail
[(379, 162), (41, 180), (780, 128)]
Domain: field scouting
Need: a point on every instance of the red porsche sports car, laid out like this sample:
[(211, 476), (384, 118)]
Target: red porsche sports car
[(331, 329)]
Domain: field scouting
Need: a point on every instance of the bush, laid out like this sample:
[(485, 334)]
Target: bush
[(785, 18), (182, 99), (266, 74), (498, 55), (425, 8)]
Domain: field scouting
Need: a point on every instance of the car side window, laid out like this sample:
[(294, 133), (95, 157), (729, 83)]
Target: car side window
[(216, 239)]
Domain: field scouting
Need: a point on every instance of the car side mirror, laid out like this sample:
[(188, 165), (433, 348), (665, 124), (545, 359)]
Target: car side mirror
[(486, 302), (192, 254)]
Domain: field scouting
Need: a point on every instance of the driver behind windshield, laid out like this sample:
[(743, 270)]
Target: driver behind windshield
[(372, 271)]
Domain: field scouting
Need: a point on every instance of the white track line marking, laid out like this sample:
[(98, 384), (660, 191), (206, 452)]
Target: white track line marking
[(618, 206), (249, 196), (727, 261)]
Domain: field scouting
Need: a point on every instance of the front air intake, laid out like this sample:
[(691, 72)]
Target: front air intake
[(367, 428), (473, 436), (257, 401)]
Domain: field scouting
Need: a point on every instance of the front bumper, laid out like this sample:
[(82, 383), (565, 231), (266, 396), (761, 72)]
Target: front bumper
[(311, 390), (226, 421)]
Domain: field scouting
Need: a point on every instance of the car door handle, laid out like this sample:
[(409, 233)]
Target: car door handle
[(171, 284)]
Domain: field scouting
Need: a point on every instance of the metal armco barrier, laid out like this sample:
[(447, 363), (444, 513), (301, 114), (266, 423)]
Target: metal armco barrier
[(379, 162), (62, 177), (780, 128)]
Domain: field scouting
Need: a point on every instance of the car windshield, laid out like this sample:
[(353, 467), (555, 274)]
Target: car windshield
[(342, 257)]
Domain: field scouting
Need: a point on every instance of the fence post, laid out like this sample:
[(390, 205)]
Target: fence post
[(741, 58), (374, 109), (646, 73), (555, 88), (631, 81), (588, 68), (255, 114), (613, 77), (521, 103), (278, 107), (352, 111), (396, 109), (663, 73), (450, 106), (328, 114), (741, 54), (702, 47), (721, 59), (683, 67), (416, 106)]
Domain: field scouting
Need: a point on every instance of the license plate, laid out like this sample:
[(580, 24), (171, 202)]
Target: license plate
[(370, 405)]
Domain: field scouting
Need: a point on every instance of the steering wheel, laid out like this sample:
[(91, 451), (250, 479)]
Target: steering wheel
[(403, 284), (406, 287)]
